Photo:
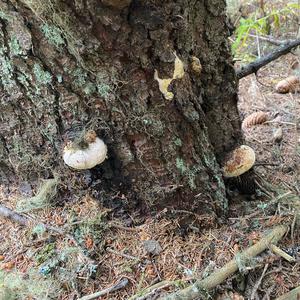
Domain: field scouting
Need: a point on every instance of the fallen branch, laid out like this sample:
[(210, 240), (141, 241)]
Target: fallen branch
[(200, 286), (122, 254), (13, 216), (120, 285), (257, 64), (292, 295)]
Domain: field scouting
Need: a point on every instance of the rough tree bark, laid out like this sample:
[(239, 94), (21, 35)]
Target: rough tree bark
[(73, 65)]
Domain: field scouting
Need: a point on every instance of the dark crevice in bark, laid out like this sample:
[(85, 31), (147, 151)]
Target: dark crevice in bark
[(58, 118)]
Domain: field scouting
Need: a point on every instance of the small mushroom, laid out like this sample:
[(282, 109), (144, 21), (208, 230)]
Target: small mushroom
[(87, 154), (239, 161)]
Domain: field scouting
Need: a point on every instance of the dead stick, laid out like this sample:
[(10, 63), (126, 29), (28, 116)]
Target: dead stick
[(259, 63), (122, 254), (13, 216), (292, 295), (257, 284), (120, 285), (195, 290), (149, 290), (281, 253)]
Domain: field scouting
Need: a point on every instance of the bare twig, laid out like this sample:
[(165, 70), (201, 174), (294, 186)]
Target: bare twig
[(259, 63), (120, 285), (122, 254), (150, 291), (195, 290), (281, 253), (265, 164), (118, 226), (257, 284)]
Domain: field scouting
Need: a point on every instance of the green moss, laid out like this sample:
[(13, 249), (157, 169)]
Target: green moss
[(45, 253), (192, 173), (6, 72), (104, 90), (24, 80), (80, 78), (180, 165), (14, 46), (178, 142), (59, 78), (15, 285), (42, 77), (44, 197), (53, 35), (89, 88), (93, 228), (5, 15)]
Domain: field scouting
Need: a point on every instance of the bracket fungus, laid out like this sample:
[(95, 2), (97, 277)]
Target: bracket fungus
[(238, 161), (85, 154)]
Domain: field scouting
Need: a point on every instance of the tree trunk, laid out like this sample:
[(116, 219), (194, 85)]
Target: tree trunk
[(69, 66)]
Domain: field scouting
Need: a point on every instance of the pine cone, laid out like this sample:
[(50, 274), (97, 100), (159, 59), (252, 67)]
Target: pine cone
[(288, 85), (254, 119)]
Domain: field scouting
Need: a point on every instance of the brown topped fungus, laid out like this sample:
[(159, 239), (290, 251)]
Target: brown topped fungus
[(238, 161)]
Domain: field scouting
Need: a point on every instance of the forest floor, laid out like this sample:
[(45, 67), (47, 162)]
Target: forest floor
[(57, 265)]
